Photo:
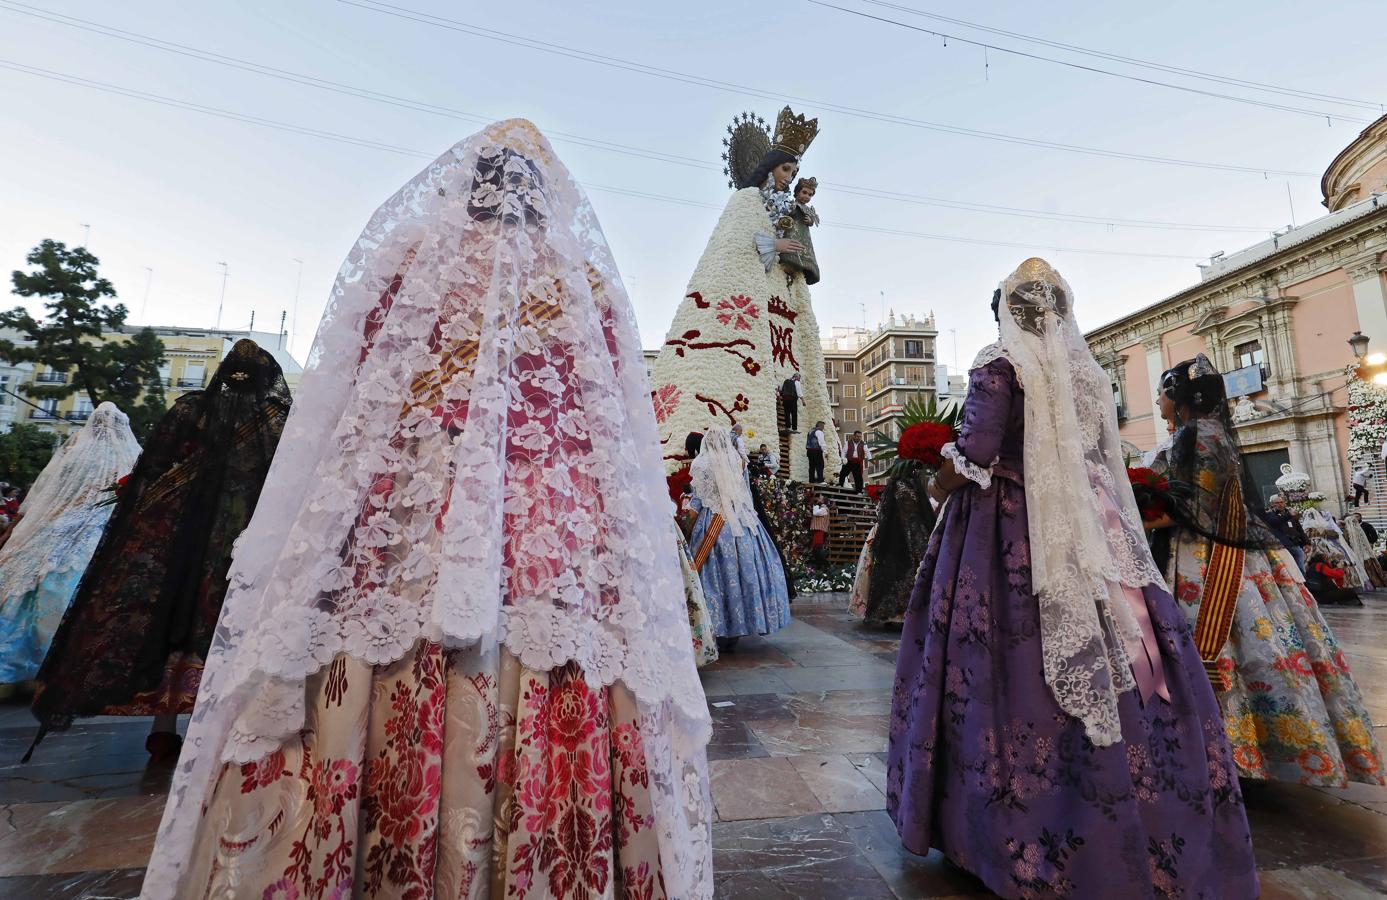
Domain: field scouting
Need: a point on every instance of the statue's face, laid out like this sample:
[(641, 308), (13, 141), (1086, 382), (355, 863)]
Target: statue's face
[(804, 195), (784, 174)]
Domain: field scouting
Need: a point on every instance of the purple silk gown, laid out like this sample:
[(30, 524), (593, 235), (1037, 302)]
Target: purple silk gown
[(985, 766)]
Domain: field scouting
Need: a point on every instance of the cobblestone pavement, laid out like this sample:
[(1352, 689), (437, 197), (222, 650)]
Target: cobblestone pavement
[(798, 769)]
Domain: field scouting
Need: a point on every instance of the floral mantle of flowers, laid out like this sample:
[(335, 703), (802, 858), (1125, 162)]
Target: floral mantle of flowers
[(1367, 419), (788, 506), (838, 579)]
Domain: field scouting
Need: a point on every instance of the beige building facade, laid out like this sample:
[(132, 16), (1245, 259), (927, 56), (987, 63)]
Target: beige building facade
[(191, 356), (873, 373), (1276, 318)]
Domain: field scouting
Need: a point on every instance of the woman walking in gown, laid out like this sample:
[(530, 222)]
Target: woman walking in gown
[(49, 550), (455, 658), (1291, 708), (743, 579), (1052, 730), (135, 638)]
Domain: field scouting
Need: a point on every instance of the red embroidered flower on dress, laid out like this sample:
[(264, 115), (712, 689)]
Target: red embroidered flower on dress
[(263, 772), (739, 311), (573, 712), (431, 721), (666, 399)]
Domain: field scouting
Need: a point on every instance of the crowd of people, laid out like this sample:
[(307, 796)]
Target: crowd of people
[(433, 618)]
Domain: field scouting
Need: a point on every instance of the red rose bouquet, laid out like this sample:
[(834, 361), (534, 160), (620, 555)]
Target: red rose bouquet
[(924, 441), (874, 492), (677, 482), (1155, 492)]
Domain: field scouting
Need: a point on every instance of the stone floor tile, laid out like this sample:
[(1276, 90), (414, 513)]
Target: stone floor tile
[(115, 884), (868, 675), (753, 656), (873, 768), (1371, 872), (837, 783), (908, 875), (80, 836), (734, 740), (1312, 883), (759, 789), (730, 682), (1295, 826), (823, 733), (808, 857)]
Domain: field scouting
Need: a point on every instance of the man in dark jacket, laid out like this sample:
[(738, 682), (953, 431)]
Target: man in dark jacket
[(791, 396), (1285, 524)]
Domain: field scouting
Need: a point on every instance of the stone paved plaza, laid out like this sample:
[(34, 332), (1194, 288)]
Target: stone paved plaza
[(798, 769)]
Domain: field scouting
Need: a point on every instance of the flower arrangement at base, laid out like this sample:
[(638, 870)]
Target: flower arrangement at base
[(788, 507), (836, 580)]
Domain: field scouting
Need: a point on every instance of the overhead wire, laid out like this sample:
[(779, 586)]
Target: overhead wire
[(1317, 114), (321, 134), (304, 79), (1136, 61), (778, 96)]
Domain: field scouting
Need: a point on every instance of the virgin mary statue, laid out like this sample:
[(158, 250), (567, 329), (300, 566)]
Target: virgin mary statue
[(746, 324)]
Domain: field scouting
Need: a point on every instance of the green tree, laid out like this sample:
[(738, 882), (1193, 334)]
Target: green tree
[(68, 338), (24, 451)]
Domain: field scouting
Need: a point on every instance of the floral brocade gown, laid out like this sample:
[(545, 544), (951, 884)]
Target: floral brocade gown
[(985, 766), (1294, 712), (451, 773)]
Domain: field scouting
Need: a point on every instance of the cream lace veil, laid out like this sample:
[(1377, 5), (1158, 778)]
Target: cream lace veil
[(63, 514), (471, 458), (1085, 529), (720, 483)]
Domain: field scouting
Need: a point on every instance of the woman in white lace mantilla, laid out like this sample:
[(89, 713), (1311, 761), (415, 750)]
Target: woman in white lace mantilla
[(1044, 671), (61, 524), (455, 659)]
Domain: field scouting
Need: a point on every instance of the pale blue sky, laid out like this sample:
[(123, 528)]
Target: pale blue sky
[(178, 191)]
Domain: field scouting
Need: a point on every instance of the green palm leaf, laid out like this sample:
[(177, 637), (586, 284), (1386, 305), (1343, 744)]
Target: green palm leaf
[(916, 411)]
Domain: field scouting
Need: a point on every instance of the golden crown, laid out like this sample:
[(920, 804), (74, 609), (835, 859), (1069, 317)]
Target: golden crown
[(1035, 269), (793, 133)]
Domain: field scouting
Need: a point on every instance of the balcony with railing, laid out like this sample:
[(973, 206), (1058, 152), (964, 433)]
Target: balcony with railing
[(45, 415), (78, 415), (190, 383), (51, 378)]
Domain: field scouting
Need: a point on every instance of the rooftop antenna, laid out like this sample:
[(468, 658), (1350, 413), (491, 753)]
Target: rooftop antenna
[(1291, 202), (222, 302), (86, 235), (298, 283), (252, 323), (282, 315), (144, 306)]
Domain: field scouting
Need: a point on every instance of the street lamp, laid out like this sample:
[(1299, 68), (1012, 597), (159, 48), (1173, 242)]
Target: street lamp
[(1359, 344)]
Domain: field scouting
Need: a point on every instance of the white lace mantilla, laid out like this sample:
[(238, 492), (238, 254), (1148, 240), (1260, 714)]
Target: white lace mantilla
[(64, 514), (472, 457), (1085, 530)]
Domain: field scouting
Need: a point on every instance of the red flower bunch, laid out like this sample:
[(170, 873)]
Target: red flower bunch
[(1152, 492), (924, 441), (874, 491), (677, 482)]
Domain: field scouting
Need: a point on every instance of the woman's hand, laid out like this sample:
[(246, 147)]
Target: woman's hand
[(1165, 521), (788, 245), (936, 493)]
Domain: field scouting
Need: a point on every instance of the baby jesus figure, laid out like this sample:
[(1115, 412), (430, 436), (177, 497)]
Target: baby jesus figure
[(805, 190)]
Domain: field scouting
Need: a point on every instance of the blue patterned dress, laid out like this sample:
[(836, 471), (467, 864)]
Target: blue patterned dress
[(743, 581)]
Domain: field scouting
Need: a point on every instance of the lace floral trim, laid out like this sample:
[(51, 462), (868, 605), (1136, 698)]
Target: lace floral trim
[(979, 475)]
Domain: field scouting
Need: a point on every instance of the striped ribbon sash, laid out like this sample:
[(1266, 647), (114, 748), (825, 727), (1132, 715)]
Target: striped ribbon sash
[(1223, 579), (710, 537)]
